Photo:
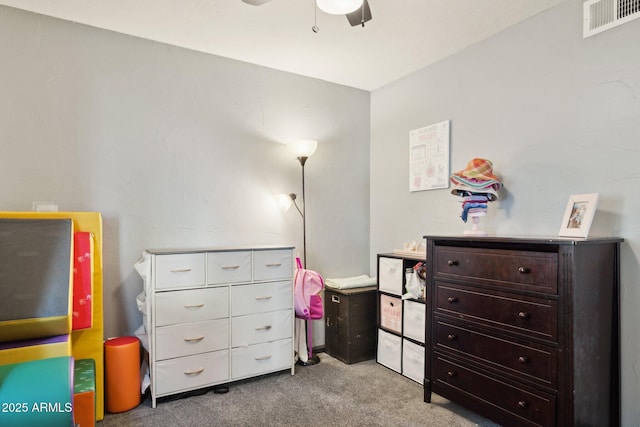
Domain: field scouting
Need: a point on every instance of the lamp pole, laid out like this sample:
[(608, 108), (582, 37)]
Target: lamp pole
[(303, 160)]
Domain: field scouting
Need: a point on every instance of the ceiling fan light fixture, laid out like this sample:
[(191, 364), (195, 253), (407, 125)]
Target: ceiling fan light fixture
[(338, 7)]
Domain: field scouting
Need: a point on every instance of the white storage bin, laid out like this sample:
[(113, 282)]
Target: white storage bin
[(193, 305), (261, 327), (179, 271), (186, 373), (414, 324), (191, 338), (390, 275), (389, 350), (391, 313), (261, 358), (413, 361), (261, 297), (228, 267), (272, 264)]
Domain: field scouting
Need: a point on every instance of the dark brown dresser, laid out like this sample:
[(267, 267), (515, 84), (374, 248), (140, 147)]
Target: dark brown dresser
[(525, 331), (350, 323)]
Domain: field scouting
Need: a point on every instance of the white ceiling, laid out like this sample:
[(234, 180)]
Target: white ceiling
[(404, 35)]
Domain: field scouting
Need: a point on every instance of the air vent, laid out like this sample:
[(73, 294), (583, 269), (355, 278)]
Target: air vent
[(602, 15)]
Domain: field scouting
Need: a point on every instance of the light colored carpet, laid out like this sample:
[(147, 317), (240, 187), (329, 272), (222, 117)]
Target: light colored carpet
[(330, 393)]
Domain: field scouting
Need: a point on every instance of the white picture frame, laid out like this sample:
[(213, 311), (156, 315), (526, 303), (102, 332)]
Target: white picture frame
[(578, 215), (429, 149)]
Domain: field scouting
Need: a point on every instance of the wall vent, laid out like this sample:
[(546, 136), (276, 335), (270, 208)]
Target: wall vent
[(602, 15)]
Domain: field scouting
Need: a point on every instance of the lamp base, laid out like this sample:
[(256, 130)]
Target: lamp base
[(313, 360)]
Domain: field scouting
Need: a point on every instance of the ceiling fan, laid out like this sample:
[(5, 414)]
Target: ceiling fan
[(359, 16)]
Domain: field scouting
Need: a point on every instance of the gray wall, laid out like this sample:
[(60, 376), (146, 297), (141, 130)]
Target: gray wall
[(176, 149), (557, 114)]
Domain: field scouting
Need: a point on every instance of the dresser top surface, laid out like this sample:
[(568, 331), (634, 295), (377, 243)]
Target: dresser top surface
[(167, 251), (553, 240)]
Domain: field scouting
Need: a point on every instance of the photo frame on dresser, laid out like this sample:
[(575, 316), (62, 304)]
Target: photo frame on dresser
[(578, 215)]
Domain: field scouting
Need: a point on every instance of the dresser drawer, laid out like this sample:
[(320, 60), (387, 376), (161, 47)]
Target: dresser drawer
[(516, 404), (193, 305), (414, 314), (191, 338), (391, 313), (228, 267), (272, 264), (261, 297), (413, 361), (516, 269), (519, 314), (179, 270), (538, 364), (390, 275), (263, 327), (389, 350), (185, 373), (261, 358)]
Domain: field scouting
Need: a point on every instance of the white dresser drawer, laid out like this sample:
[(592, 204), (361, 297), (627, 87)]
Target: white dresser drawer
[(413, 318), (389, 350), (390, 275), (191, 338), (261, 358), (193, 305), (413, 361), (261, 297), (185, 373), (272, 264), (228, 267), (263, 327), (179, 270)]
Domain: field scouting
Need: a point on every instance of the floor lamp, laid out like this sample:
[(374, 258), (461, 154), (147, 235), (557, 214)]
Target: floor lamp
[(304, 149)]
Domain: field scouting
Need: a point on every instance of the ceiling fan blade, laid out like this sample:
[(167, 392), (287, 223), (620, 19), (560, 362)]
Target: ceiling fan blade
[(357, 17), (255, 2)]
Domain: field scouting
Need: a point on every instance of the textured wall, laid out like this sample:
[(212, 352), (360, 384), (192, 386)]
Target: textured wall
[(176, 149), (556, 113)]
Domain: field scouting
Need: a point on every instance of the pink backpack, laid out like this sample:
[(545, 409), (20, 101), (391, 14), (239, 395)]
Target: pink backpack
[(307, 285)]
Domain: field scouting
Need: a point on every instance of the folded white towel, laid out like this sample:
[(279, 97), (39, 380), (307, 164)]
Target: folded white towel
[(350, 282)]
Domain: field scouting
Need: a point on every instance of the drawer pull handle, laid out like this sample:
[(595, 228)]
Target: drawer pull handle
[(522, 404), (273, 264), (263, 357), (523, 315), (181, 270), (263, 298), (452, 374), (200, 338), (263, 328), (230, 267), (196, 372), (193, 305), (335, 298), (523, 359), (452, 337), (524, 270), (452, 299), (452, 262)]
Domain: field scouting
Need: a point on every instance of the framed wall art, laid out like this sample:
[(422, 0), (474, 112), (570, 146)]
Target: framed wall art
[(429, 157), (578, 215)]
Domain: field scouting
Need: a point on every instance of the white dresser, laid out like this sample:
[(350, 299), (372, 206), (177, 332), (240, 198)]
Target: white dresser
[(214, 316)]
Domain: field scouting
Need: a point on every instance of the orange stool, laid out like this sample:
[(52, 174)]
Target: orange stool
[(122, 373)]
